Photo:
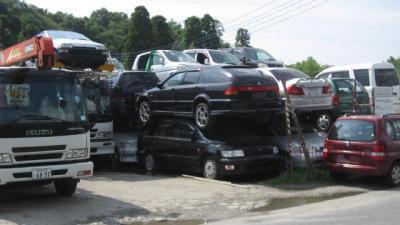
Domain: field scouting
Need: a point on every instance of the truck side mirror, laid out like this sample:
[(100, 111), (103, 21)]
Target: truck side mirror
[(206, 61)]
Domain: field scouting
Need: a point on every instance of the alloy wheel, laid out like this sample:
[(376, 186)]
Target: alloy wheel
[(144, 112), (202, 115), (149, 162), (324, 122), (395, 174), (210, 169)]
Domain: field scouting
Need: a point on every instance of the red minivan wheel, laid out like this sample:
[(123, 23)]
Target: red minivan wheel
[(393, 178)]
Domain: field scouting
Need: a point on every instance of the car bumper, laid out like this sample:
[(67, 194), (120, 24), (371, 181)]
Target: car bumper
[(232, 107), (68, 170), (248, 165), (356, 169), (106, 147)]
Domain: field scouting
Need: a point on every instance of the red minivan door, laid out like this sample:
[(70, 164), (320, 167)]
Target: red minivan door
[(352, 142)]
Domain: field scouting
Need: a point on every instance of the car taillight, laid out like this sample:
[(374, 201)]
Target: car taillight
[(326, 90), (295, 90), (335, 100), (325, 151), (250, 88), (378, 152)]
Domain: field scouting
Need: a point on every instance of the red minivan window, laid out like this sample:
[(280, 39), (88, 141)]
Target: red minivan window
[(353, 130)]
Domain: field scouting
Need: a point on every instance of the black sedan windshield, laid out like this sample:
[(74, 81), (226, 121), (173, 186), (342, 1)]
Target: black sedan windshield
[(30, 98)]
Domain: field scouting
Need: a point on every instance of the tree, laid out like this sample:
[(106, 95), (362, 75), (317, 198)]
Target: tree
[(242, 38), (212, 30), (309, 66), (177, 35), (193, 32), (140, 33), (161, 32), (396, 63)]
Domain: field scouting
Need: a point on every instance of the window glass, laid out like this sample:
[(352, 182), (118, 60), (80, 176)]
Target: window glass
[(257, 54), (324, 75), (157, 59), (238, 54), (346, 86), (340, 74), (182, 131), (177, 56), (389, 130), (215, 76), (175, 80), (386, 77), (396, 126), (224, 57), (191, 54), (191, 77), (362, 76), (353, 130), (58, 34), (288, 74)]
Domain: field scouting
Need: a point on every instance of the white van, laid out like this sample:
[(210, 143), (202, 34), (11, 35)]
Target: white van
[(380, 80)]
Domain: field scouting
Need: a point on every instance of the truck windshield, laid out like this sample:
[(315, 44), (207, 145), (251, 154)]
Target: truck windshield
[(258, 54), (224, 57), (58, 34), (97, 96), (177, 56), (33, 98)]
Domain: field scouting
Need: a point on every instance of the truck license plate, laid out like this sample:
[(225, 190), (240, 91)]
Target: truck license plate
[(39, 174)]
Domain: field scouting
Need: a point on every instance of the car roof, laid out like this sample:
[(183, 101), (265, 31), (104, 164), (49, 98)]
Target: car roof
[(370, 117), (382, 65)]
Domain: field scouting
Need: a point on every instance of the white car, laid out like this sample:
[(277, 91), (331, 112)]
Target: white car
[(165, 62), (307, 95), (380, 80), (213, 57), (76, 51)]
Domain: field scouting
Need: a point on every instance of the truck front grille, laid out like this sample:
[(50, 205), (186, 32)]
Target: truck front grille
[(20, 158), (39, 148)]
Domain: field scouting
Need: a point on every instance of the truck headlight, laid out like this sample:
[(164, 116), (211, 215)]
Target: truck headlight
[(67, 45), (104, 135), (100, 47), (77, 153), (233, 153), (5, 158)]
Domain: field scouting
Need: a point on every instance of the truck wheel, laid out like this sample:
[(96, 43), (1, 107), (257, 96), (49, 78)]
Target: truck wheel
[(324, 121), (144, 113), (210, 169), (393, 179), (65, 187), (202, 116), (150, 163)]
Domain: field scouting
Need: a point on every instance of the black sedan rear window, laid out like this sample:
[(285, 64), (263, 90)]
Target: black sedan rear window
[(288, 74), (353, 130)]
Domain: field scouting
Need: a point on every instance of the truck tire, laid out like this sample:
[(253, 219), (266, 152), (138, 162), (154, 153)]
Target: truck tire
[(66, 187)]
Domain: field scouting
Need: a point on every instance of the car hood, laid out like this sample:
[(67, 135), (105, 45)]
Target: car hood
[(76, 43)]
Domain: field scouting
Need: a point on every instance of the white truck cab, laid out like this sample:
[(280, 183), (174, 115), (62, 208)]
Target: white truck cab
[(44, 129), (213, 57)]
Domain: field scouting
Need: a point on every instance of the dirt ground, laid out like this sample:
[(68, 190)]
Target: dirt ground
[(131, 198)]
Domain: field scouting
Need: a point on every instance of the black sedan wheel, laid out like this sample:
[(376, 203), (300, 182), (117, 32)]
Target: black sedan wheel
[(144, 112), (202, 116), (149, 163), (210, 169)]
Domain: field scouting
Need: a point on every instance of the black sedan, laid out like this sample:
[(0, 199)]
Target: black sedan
[(223, 152), (205, 93)]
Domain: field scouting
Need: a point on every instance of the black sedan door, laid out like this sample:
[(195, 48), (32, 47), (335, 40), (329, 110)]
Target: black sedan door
[(163, 100), (187, 91)]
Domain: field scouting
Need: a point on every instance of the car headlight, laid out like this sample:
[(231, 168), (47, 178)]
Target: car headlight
[(5, 158), (275, 150), (67, 45), (233, 153), (181, 67), (100, 47), (77, 153), (104, 135), (262, 65)]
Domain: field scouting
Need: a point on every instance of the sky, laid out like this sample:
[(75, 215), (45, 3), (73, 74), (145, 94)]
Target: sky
[(335, 32)]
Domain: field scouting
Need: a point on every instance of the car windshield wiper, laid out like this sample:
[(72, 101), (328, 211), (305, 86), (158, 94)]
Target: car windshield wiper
[(35, 117)]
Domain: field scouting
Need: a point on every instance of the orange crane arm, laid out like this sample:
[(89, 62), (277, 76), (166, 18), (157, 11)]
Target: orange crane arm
[(40, 48)]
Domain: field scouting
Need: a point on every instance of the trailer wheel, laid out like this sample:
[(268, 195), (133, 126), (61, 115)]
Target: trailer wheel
[(65, 187)]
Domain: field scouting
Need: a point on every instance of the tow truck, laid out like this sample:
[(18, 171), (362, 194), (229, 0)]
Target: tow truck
[(44, 126)]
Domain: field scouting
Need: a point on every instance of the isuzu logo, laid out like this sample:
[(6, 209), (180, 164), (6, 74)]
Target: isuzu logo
[(39, 132)]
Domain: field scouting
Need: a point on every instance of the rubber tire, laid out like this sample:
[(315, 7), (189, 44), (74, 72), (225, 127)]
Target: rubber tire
[(151, 116), (338, 176), (389, 179), (211, 119), (145, 166), (216, 174), (328, 117), (65, 187)]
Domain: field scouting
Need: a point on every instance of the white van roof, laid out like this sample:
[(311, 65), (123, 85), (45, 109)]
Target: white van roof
[(382, 65)]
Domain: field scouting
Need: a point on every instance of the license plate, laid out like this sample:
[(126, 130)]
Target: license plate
[(311, 91), (39, 174)]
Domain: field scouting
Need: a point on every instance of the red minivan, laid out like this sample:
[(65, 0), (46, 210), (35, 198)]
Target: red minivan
[(368, 145)]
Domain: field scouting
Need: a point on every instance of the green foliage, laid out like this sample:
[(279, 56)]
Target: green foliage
[(395, 62), (242, 38), (309, 66)]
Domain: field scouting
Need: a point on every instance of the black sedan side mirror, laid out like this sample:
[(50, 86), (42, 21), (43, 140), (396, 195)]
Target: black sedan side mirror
[(159, 85)]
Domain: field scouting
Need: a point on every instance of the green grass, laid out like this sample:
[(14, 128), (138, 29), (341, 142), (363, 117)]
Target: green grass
[(299, 176)]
